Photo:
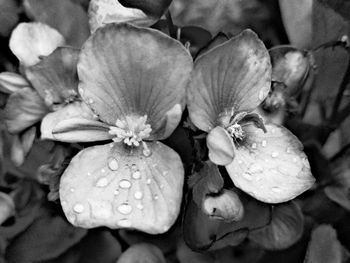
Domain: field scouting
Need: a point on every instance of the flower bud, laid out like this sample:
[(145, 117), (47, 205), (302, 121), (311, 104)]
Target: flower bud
[(7, 207), (11, 82), (226, 206)]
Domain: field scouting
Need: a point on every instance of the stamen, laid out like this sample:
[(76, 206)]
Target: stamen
[(132, 131), (236, 131)]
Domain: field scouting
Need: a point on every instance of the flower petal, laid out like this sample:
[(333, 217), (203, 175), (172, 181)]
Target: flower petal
[(74, 122), (236, 74), (102, 12), (11, 82), (55, 76), (24, 108), (125, 70), (147, 252), (30, 41), (113, 186), (220, 146), (271, 166)]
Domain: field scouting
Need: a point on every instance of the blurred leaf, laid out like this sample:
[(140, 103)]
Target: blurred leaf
[(185, 255), (7, 207), (197, 38), (285, 228), (97, 246), (340, 6), (324, 246), (229, 16), (67, 17), (48, 237), (9, 16), (340, 195), (331, 63), (143, 252), (297, 20)]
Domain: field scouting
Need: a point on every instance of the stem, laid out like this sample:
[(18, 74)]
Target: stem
[(331, 44)]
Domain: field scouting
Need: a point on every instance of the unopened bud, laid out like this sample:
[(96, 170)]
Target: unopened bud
[(227, 206)]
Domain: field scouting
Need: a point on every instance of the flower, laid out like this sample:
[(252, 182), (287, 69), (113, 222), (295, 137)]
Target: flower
[(134, 79), (229, 82)]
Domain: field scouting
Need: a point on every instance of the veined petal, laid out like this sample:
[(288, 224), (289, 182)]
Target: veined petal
[(74, 122), (125, 70), (271, 166), (24, 108), (55, 76), (220, 146), (30, 41), (113, 186), (234, 75)]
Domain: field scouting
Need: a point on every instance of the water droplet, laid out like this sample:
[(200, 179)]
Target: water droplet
[(125, 184), (111, 144), (161, 186), (276, 189), (81, 90), (88, 173), (133, 167), (78, 208), (136, 175), (116, 192), (138, 195), (165, 173), (72, 190), (90, 101), (274, 154), (139, 206), (147, 152), (261, 95), (255, 168), (156, 197), (248, 176), (288, 150), (263, 143), (103, 170), (124, 209), (148, 181), (124, 223), (113, 164), (102, 182), (273, 130), (240, 161), (294, 160), (254, 145)]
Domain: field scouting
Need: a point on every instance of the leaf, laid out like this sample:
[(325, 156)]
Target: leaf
[(324, 246), (9, 16), (340, 6), (285, 228), (331, 63), (340, 195), (48, 237), (7, 207), (297, 20), (147, 252), (67, 17)]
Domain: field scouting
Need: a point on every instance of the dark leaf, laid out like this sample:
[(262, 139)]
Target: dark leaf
[(9, 16), (340, 6)]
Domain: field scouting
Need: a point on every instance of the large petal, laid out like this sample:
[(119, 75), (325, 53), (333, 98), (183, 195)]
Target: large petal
[(24, 108), (236, 74), (30, 41), (125, 70), (74, 122), (55, 76), (119, 188), (271, 166)]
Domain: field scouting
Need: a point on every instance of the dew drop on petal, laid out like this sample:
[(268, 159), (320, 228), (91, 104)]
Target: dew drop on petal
[(125, 184), (139, 206), (274, 154), (156, 197), (263, 143), (148, 181), (102, 182), (116, 192), (288, 150), (78, 208), (113, 164), (254, 145), (147, 152), (261, 95), (138, 195), (81, 90), (133, 167), (240, 161), (248, 176), (90, 101), (295, 160), (276, 189), (124, 223), (136, 175), (103, 170), (72, 190), (124, 209)]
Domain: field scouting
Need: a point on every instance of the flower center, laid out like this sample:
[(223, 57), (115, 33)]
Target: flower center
[(132, 131), (236, 131)]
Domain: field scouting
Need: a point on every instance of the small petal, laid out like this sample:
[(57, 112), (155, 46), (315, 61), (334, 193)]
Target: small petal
[(23, 109), (271, 166), (7, 207), (11, 82), (220, 146), (55, 76), (67, 115), (234, 75), (226, 206), (122, 188), (30, 41), (125, 70)]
